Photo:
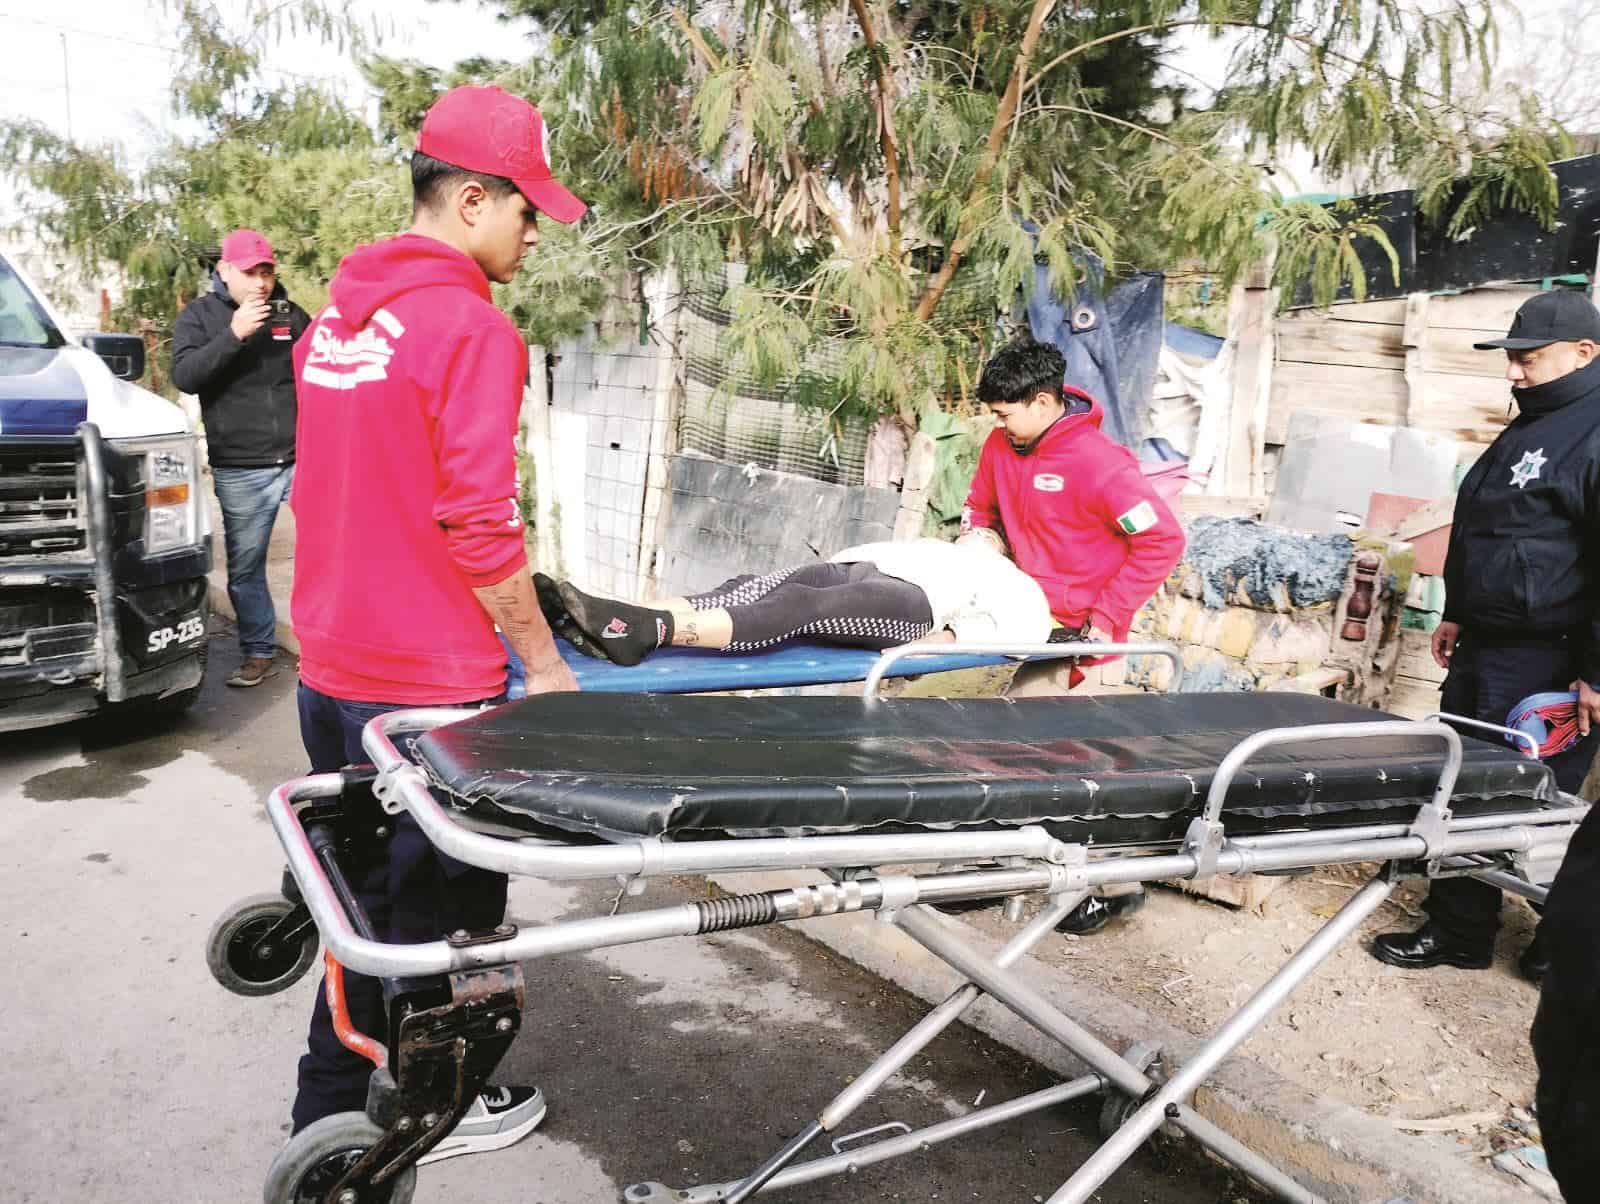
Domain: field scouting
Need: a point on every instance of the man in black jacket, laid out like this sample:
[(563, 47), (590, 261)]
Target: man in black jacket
[(1522, 590), (231, 347)]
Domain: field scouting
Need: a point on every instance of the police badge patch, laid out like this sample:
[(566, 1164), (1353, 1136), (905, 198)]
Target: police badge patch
[(1527, 468)]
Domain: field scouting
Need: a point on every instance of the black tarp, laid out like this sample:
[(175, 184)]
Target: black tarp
[(1511, 247)]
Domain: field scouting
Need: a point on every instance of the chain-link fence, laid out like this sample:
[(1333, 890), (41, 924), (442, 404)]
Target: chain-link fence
[(659, 472)]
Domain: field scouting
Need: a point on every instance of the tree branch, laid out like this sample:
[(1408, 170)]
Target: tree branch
[(991, 155), (696, 39), (891, 152), (1298, 39)]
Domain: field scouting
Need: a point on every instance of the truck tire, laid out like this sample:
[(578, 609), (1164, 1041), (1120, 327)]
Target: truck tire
[(174, 705), (140, 714)]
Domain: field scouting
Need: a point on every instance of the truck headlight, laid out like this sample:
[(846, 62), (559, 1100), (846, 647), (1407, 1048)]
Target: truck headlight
[(171, 491)]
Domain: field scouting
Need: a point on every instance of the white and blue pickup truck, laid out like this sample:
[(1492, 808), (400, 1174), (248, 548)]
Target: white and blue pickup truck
[(104, 534)]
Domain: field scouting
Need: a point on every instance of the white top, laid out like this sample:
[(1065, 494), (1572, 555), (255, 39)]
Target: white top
[(972, 588)]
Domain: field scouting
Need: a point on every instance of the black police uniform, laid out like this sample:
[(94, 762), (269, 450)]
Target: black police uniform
[(1522, 578)]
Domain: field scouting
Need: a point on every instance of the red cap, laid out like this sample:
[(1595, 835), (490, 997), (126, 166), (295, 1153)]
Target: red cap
[(244, 249), (489, 130)]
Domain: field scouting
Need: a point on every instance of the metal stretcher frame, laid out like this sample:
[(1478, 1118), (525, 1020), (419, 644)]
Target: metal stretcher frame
[(1014, 863)]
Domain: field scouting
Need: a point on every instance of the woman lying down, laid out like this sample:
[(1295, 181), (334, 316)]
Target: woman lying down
[(875, 596)]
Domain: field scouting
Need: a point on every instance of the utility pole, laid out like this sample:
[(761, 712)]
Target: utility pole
[(66, 79)]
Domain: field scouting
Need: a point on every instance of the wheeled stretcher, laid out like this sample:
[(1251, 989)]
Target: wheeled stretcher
[(1049, 798)]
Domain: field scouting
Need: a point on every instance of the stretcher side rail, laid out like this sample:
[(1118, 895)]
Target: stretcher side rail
[(893, 656), (1206, 837), (1520, 737)]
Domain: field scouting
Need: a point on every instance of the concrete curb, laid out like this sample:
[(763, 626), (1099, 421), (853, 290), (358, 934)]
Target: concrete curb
[(1337, 1150)]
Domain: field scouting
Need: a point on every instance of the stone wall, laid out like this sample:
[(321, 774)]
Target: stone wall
[(1259, 607)]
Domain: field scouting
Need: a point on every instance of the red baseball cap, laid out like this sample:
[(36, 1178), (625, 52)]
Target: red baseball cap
[(488, 129), (244, 249)]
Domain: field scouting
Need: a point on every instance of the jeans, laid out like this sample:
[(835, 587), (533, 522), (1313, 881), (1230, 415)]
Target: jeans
[(250, 498), (410, 892)]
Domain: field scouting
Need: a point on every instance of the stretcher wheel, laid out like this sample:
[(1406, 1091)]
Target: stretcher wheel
[(319, 1155), (1117, 1107), (237, 964), (1114, 1112)]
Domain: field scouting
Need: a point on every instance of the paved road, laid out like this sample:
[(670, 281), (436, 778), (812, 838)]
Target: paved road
[(126, 1074)]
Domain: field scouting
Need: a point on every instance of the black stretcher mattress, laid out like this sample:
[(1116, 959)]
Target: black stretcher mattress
[(1122, 769)]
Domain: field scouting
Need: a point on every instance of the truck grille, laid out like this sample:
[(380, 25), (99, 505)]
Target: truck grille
[(40, 513), (46, 628)]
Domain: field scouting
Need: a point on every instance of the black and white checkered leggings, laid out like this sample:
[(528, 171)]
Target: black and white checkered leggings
[(850, 604)]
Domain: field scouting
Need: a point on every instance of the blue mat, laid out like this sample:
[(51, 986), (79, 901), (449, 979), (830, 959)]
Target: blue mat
[(697, 670)]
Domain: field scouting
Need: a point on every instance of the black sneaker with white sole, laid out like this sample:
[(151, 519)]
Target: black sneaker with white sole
[(1095, 912), (499, 1117)]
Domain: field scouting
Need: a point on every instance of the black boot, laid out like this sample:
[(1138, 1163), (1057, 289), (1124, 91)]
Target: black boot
[(1534, 962), (1427, 947)]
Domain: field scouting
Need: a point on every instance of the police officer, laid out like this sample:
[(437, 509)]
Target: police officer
[(1522, 589)]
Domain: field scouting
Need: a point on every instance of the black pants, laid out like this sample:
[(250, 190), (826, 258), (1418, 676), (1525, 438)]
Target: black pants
[(411, 892), (1566, 1031), (1485, 681), (850, 604)]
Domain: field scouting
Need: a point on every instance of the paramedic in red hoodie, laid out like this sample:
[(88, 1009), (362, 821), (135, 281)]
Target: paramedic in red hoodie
[(1080, 519), (410, 546)]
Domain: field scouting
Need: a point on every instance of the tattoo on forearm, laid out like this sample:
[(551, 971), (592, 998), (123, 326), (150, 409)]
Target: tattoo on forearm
[(690, 633)]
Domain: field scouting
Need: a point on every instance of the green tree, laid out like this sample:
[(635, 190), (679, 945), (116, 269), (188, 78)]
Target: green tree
[(285, 156), (890, 172)]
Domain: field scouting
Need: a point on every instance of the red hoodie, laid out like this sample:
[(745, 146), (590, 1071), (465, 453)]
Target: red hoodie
[(409, 386), (1081, 519)]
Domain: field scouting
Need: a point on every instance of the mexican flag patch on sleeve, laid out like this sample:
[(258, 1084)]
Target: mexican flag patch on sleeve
[(1141, 518)]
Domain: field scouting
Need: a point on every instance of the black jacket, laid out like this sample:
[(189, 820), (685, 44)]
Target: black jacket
[(246, 389), (1524, 558)]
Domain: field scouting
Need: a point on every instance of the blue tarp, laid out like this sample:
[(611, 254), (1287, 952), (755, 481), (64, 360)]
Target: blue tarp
[(1112, 343), (1186, 340)]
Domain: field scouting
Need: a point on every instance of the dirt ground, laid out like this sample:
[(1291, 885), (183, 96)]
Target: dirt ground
[(1447, 1046)]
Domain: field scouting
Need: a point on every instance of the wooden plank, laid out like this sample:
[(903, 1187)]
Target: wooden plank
[(1358, 344), (1472, 408), (662, 292), (1252, 312), (1480, 309), (1246, 892), (1413, 335), (540, 450), (1416, 659), (1359, 394), (1392, 312), (1411, 699), (1450, 350)]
